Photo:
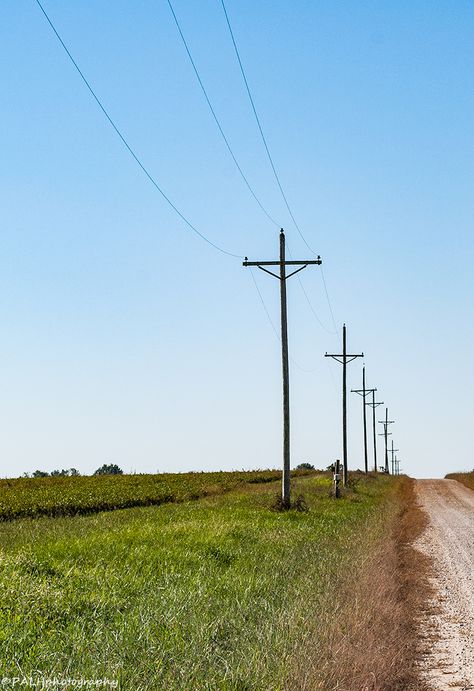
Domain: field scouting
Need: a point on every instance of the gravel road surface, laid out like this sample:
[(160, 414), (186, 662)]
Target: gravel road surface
[(449, 540)]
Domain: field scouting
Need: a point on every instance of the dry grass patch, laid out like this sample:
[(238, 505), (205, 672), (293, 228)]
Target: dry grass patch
[(368, 640), (466, 479)]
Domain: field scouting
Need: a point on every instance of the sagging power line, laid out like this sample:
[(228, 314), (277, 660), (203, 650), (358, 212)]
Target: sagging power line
[(270, 158), (229, 147), (129, 148), (216, 119), (142, 166), (273, 327), (282, 263), (260, 129), (233, 155)]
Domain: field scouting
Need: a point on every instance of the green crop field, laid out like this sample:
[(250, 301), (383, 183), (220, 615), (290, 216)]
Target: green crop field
[(215, 593), (65, 496)]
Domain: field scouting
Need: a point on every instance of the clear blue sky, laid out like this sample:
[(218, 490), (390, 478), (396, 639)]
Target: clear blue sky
[(127, 339)]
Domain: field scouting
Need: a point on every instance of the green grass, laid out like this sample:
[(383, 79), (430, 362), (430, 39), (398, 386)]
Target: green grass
[(465, 478), (66, 496), (218, 593)]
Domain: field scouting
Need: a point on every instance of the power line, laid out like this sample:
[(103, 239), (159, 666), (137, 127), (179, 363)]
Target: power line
[(234, 158), (127, 145), (331, 373), (272, 323), (334, 332), (277, 178), (254, 109), (329, 302), (274, 328), (216, 119), (147, 172), (310, 304)]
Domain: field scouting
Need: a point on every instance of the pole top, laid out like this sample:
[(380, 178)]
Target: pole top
[(282, 232)]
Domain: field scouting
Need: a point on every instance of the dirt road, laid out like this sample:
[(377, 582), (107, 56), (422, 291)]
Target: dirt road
[(449, 540)]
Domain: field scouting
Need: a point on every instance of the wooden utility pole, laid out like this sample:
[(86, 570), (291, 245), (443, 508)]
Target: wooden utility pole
[(346, 359), (282, 277), (374, 404), (392, 451), (364, 392), (386, 434)]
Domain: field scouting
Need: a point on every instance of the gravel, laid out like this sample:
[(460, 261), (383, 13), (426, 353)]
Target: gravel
[(449, 541)]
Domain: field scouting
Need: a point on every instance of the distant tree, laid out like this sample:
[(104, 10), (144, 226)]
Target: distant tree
[(65, 473), (109, 469), (40, 473), (305, 466)]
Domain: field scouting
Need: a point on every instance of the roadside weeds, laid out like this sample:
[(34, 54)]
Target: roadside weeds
[(369, 640)]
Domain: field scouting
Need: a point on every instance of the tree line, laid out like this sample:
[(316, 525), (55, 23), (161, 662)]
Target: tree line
[(105, 469)]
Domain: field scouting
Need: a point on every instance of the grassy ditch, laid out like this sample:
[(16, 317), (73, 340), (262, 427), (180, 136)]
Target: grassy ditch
[(466, 479), (369, 640), (220, 593)]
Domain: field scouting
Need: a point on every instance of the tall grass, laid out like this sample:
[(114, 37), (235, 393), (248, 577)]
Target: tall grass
[(369, 639), (220, 593)]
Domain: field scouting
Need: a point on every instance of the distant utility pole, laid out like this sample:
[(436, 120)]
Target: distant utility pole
[(364, 392), (393, 451), (374, 404), (386, 434), (344, 362), (282, 263), (397, 465)]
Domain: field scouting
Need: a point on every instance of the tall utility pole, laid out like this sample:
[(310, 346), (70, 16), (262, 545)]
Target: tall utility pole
[(364, 392), (374, 404), (282, 277), (344, 362), (393, 451), (386, 434)]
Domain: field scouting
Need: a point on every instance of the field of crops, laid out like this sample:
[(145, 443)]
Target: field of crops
[(66, 496)]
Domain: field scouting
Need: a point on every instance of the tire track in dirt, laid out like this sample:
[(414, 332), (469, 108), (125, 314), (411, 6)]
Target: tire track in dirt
[(449, 542)]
